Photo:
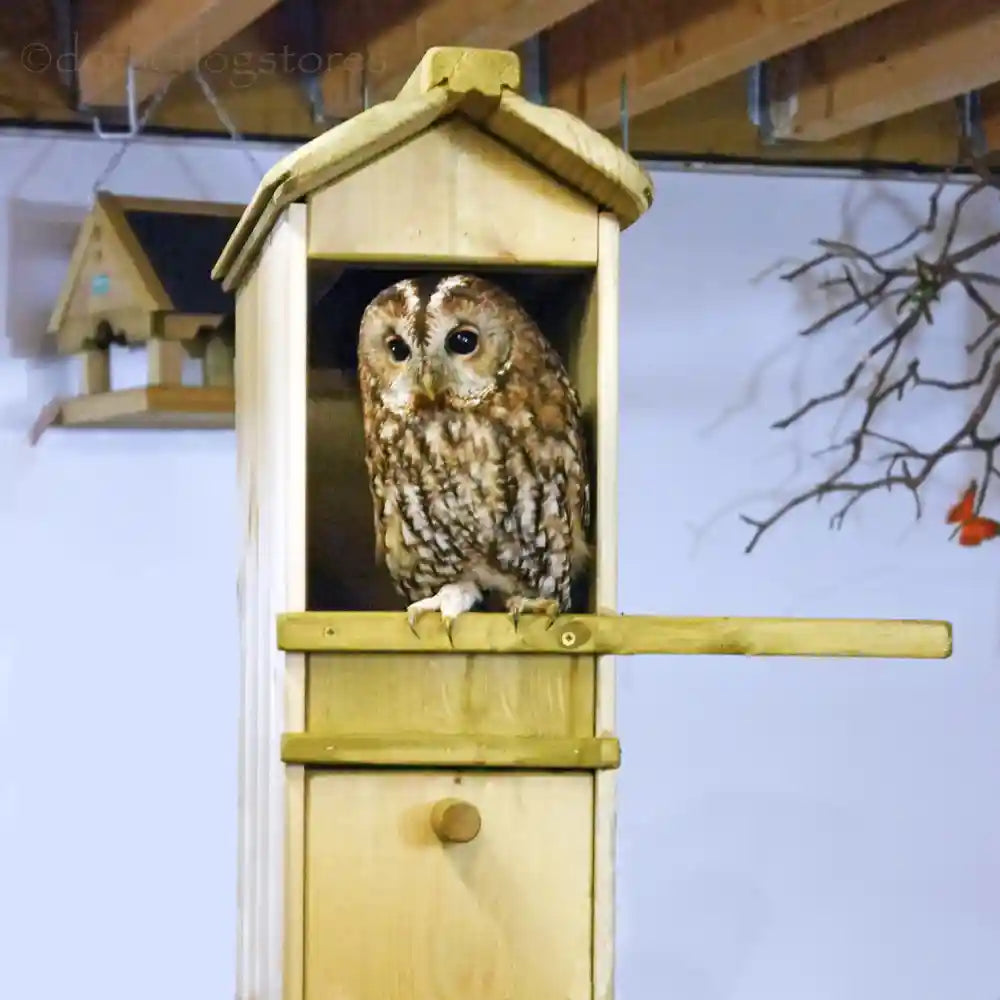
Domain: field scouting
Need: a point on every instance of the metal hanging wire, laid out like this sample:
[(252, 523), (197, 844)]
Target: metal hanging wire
[(227, 122), (137, 122)]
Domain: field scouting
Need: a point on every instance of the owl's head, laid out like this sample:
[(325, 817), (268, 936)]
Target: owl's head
[(439, 341)]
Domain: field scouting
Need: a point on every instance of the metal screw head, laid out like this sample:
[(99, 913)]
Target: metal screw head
[(568, 639), (329, 630)]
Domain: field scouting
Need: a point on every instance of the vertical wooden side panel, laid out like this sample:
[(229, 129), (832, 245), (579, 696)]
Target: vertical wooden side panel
[(246, 413), (270, 386), (606, 595)]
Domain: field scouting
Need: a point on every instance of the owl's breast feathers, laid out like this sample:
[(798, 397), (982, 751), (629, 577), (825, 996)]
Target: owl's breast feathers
[(498, 493)]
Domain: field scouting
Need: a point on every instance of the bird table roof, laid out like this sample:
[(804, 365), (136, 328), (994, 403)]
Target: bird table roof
[(180, 248), (480, 84)]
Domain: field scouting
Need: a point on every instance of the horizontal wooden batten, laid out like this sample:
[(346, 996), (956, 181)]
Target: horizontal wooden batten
[(670, 48), (432, 751), (618, 635)]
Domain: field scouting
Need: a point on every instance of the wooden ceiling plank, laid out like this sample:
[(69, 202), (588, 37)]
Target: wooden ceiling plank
[(989, 105), (161, 37), (669, 48), (393, 36), (909, 57)]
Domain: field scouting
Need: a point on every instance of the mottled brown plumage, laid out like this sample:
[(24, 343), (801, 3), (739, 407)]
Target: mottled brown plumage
[(474, 448)]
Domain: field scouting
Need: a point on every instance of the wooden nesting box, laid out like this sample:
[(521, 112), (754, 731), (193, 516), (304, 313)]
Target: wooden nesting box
[(140, 277), (422, 820)]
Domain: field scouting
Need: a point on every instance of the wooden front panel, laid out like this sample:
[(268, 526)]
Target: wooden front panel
[(453, 195), (392, 913), (106, 286), (80, 327), (366, 694)]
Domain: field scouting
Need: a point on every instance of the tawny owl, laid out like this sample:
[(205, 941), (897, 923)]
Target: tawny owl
[(474, 448)]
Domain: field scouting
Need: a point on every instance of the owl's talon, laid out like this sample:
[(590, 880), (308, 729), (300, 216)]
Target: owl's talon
[(416, 611), (452, 600), (516, 606), (413, 615)]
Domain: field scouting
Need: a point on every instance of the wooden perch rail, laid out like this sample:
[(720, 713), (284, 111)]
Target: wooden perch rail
[(618, 635)]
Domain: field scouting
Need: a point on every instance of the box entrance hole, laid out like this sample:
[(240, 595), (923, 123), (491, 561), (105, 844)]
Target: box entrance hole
[(342, 570)]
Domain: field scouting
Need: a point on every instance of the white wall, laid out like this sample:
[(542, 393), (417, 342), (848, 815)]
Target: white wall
[(792, 828), (119, 682), (788, 828)]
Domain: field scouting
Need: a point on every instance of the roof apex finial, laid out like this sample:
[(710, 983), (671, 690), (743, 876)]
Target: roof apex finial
[(464, 70)]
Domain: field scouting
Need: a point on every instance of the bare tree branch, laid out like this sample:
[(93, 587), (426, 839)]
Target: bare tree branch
[(915, 286)]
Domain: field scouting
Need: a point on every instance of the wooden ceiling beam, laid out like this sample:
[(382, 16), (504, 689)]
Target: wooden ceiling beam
[(669, 48), (908, 57), (160, 37), (713, 124), (394, 35)]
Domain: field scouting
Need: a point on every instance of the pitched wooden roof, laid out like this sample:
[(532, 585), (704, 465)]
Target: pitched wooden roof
[(181, 247), (480, 84), (167, 250)]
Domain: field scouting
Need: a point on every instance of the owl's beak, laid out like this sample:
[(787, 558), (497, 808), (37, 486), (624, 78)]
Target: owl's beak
[(429, 383)]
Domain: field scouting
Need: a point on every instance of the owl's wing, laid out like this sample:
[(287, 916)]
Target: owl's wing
[(546, 512), (578, 504), (577, 472), (378, 510)]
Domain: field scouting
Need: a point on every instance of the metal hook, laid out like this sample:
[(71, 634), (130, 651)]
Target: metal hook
[(535, 68), (970, 115), (317, 104), (758, 102), (133, 115), (306, 22)]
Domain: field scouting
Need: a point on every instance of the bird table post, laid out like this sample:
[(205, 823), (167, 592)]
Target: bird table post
[(427, 800)]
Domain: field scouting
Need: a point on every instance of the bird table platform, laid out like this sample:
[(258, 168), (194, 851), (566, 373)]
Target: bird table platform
[(140, 277), (428, 796)]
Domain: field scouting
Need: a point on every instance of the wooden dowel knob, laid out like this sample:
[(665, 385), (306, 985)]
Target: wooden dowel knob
[(454, 821)]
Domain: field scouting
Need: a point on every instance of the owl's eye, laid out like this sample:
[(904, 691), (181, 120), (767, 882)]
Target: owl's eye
[(398, 348), (462, 340)]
